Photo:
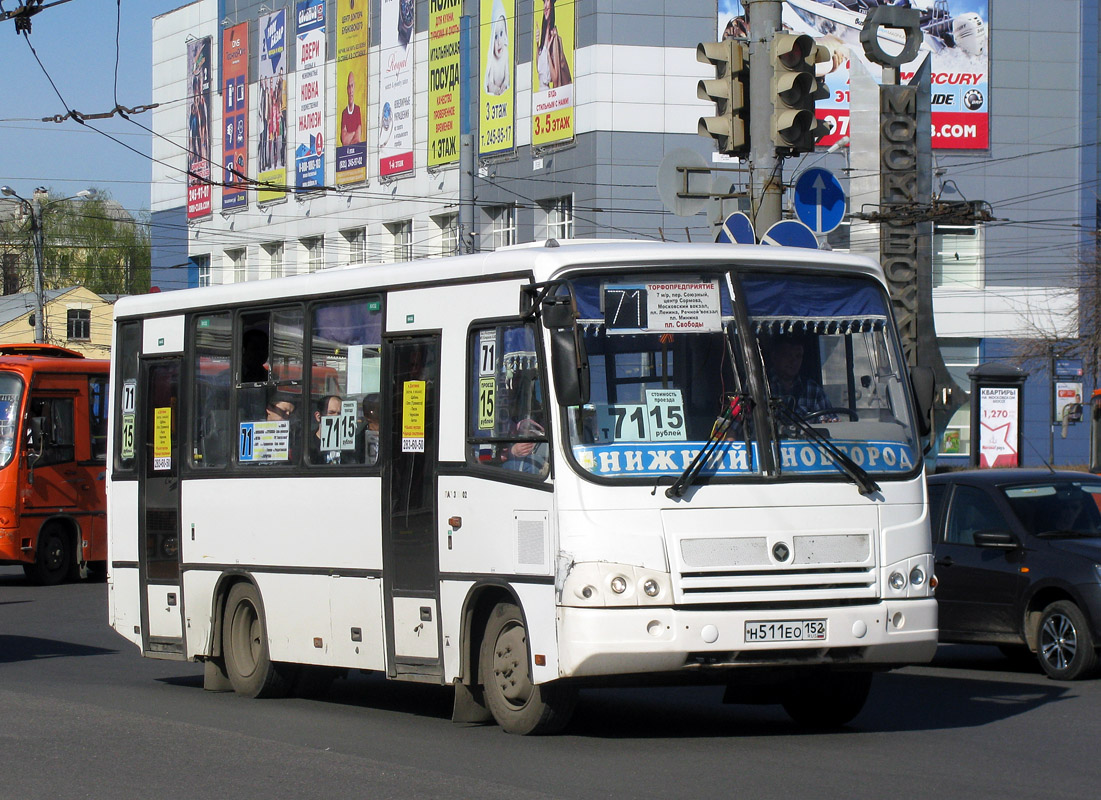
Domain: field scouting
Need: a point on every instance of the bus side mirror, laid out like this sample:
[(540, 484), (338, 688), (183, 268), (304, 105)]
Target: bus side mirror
[(923, 383), (569, 361)]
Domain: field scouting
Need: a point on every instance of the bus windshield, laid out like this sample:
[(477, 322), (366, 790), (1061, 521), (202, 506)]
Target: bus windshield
[(11, 395), (666, 358)]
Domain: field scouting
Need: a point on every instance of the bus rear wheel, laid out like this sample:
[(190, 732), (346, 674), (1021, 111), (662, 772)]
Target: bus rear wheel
[(251, 671), (517, 703), (827, 699), (53, 558)]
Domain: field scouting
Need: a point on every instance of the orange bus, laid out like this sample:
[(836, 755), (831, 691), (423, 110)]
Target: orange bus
[(53, 461)]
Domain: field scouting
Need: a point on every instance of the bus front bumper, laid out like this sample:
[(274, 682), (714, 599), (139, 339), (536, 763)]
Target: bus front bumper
[(618, 641)]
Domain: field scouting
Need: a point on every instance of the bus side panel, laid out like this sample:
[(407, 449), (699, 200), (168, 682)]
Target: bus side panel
[(541, 616), (271, 522), (297, 612), (124, 603), (122, 511), (198, 593), (356, 611)]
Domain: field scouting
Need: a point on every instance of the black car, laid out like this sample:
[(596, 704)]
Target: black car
[(1018, 563)]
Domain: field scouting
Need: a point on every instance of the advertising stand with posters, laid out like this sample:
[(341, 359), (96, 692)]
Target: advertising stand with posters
[(235, 116), (272, 148), (996, 415), (309, 154), (198, 129), (497, 109), (955, 38), (395, 119), (444, 85), (351, 92), (552, 66)]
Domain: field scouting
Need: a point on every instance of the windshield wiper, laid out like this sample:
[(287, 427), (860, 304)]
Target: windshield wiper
[(737, 406), (850, 467)]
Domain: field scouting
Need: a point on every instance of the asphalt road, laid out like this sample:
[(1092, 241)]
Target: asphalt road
[(83, 715)]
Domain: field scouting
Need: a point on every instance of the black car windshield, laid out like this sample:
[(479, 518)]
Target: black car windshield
[(1057, 508)]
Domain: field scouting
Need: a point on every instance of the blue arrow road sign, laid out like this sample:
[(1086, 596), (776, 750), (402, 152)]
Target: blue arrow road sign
[(819, 200), (737, 229), (790, 233)]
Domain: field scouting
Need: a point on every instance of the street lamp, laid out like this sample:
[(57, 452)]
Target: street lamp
[(37, 211)]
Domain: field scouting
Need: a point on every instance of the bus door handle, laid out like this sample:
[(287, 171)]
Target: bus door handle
[(944, 562)]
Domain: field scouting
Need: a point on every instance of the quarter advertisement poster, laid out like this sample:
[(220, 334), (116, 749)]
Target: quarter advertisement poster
[(552, 72), (444, 85), (235, 116), (395, 119), (955, 36), (351, 91), (999, 417), (309, 151), (496, 128), (198, 128), (272, 147)]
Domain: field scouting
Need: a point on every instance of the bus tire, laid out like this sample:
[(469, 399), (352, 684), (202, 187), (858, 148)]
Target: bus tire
[(251, 671), (504, 663), (53, 557), (827, 699)]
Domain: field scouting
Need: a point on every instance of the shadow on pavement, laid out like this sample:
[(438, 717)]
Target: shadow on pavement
[(29, 648)]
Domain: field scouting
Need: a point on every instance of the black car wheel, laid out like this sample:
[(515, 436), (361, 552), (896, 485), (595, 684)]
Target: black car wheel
[(1065, 646)]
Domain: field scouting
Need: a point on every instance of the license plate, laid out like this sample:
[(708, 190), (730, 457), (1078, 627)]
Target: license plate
[(788, 630)]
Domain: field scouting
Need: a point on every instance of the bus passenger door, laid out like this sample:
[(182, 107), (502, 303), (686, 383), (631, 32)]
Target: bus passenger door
[(159, 429), (410, 560)]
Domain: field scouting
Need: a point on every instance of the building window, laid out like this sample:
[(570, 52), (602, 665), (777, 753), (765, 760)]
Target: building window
[(202, 266), (960, 357), (957, 256), (449, 234), (504, 226), (402, 235), (559, 218), (315, 253), (274, 252), (238, 264), (356, 241), (79, 324)]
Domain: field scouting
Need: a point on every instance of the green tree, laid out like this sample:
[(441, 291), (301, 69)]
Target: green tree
[(91, 242)]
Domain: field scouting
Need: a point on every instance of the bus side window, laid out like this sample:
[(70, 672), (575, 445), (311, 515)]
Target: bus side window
[(344, 382), (124, 396), (97, 416), (211, 432), (508, 421), (54, 423)]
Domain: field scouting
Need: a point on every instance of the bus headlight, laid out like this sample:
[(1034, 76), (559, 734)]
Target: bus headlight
[(601, 585), (651, 587), (897, 581), (619, 584), (917, 577)]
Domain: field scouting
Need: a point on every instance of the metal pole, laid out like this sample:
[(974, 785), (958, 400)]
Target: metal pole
[(765, 167), (466, 194), (39, 300)]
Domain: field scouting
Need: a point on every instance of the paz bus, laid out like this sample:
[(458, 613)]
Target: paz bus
[(53, 461), (542, 468)]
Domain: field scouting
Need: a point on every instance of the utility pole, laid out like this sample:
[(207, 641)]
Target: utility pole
[(39, 299), (765, 166)]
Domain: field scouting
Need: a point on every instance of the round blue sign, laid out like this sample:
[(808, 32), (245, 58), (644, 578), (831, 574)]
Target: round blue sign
[(737, 229), (819, 200), (790, 233)]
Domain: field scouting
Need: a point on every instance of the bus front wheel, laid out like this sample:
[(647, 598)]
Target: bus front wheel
[(251, 671), (827, 699), (517, 703), (53, 558)]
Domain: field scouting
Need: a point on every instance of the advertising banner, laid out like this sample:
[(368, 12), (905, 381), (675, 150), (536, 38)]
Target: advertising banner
[(272, 148), (351, 91), (955, 38), (309, 152), (235, 116), (395, 118), (998, 420), (552, 66), (496, 128), (198, 129), (444, 92)]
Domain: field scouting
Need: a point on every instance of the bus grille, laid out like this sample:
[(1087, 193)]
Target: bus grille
[(748, 570)]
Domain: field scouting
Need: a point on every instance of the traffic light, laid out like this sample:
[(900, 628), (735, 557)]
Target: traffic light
[(729, 92), (795, 88)]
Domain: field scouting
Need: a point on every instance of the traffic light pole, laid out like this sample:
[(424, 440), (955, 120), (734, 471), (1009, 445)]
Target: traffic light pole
[(765, 167)]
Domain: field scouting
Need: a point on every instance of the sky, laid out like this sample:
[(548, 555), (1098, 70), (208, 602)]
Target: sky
[(76, 43)]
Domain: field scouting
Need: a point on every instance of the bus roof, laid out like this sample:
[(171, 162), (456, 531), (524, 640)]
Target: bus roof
[(48, 358), (543, 260)]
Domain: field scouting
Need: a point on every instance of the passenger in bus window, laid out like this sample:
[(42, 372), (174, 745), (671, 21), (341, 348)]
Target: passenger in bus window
[(327, 406), (282, 406), (786, 378), (527, 456), (367, 437)]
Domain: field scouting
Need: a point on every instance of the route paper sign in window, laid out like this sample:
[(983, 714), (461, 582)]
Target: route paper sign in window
[(662, 307), (412, 417), (162, 438)]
